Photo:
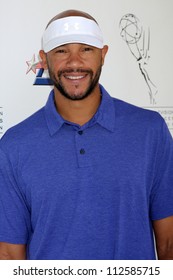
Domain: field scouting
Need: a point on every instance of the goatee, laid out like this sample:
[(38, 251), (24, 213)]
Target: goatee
[(61, 88)]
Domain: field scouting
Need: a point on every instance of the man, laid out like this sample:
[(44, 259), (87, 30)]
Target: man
[(87, 176)]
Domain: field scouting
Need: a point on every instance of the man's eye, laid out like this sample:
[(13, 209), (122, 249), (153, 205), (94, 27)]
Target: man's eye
[(87, 49), (60, 51)]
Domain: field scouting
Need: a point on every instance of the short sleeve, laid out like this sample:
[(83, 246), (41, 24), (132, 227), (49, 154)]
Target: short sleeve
[(14, 214), (161, 200)]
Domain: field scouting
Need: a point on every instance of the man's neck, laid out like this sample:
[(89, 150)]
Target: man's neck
[(78, 111)]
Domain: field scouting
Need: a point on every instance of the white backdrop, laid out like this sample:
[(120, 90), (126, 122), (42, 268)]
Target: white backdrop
[(139, 61)]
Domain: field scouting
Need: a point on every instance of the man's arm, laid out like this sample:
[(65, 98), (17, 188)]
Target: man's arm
[(12, 251), (163, 230)]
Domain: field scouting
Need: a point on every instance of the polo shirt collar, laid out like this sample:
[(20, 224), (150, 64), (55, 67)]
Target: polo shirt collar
[(53, 118), (106, 111), (105, 115)]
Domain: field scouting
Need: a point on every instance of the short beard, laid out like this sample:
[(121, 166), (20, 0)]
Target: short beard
[(93, 82)]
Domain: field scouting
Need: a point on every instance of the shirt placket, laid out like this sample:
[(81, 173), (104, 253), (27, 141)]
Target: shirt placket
[(82, 150)]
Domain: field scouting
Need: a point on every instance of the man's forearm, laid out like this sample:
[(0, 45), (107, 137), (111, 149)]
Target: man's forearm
[(12, 251), (165, 253)]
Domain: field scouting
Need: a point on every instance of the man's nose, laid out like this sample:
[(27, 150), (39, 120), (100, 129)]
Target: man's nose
[(74, 60)]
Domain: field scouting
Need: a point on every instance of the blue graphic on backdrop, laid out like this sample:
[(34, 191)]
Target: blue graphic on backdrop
[(37, 68)]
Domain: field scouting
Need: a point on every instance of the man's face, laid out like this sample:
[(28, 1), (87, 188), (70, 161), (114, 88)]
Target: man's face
[(75, 69)]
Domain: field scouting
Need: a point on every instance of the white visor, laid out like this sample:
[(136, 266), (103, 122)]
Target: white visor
[(72, 30)]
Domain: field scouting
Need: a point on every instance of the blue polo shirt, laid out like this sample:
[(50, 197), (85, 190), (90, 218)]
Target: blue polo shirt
[(86, 192)]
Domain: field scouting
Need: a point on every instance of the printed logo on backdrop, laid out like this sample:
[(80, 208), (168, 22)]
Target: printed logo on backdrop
[(41, 77), (138, 41)]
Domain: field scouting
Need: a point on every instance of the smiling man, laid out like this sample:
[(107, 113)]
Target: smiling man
[(87, 176)]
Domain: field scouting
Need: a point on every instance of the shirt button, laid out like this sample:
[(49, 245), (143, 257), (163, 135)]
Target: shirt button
[(80, 132), (82, 151)]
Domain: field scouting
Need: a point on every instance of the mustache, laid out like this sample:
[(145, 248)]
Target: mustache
[(78, 70)]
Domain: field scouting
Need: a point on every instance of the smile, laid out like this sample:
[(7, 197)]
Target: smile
[(74, 77)]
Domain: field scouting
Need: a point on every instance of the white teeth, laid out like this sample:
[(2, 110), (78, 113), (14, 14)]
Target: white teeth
[(74, 77)]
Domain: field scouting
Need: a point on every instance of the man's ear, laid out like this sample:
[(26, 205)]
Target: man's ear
[(104, 52), (42, 55)]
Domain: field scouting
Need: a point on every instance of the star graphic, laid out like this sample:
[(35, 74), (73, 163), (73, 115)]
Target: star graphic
[(32, 65)]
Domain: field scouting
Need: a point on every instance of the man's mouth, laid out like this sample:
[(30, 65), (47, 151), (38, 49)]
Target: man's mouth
[(75, 77)]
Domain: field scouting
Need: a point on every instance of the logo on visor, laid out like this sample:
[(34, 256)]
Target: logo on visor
[(38, 70)]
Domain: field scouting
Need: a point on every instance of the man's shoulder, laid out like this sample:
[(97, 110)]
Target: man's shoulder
[(25, 130), (127, 110)]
